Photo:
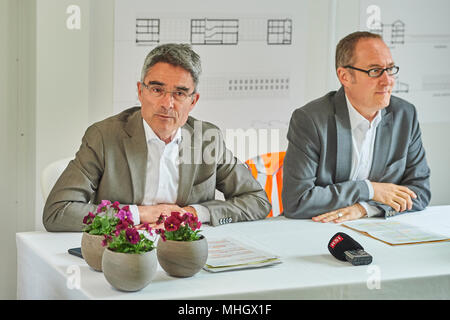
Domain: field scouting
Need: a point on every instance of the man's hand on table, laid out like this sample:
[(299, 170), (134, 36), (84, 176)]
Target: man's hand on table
[(150, 214), (353, 212)]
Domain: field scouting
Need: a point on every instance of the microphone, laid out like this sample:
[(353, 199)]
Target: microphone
[(345, 248)]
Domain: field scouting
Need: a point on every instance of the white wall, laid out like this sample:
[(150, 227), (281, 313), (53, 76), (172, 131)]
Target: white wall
[(54, 82), (17, 162)]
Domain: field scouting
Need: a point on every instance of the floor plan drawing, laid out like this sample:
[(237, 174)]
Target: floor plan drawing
[(279, 31), (393, 33), (214, 31), (147, 31)]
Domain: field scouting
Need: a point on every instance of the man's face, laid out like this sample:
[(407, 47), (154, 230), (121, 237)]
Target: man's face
[(165, 114), (368, 95)]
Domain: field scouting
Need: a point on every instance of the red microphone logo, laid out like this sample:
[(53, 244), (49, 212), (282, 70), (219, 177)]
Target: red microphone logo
[(336, 241)]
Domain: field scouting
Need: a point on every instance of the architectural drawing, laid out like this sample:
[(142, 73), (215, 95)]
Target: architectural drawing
[(147, 31), (214, 31), (393, 33), (279, 31)]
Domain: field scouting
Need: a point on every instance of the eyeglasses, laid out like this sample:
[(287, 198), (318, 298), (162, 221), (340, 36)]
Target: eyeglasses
[(377, 72), (158, 91)]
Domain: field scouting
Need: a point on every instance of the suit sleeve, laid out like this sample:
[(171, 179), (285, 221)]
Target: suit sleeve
[(245, 199), (417, 173), (68, 202), (302, 195)]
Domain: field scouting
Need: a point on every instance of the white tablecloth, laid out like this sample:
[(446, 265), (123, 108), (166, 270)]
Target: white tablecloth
[(309, 271)]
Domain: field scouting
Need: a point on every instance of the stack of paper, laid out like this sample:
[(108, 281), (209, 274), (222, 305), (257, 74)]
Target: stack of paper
[(395, 232), (230, 254)]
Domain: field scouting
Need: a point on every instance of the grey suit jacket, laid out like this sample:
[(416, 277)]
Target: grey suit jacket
[(111, 165), (318, 159)]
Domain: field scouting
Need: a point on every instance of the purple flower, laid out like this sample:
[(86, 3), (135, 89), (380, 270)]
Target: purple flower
[(193, 222), (172, 223), (161, 219), (124, 215), (116, 205), (132, 235), (122, 225), (107, 238), (88, 219), (161, 233)]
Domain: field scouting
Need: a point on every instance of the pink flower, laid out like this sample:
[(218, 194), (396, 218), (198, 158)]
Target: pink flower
[(103, 205), (192, 221), (132, 235), (195, 224), (148, 228), (88, 219), (187, 216)]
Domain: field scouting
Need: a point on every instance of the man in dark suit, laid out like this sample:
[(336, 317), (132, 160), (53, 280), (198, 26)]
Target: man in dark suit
[(356, 152), (156, 158)]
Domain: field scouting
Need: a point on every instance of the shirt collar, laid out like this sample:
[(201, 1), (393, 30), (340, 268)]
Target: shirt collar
[(357, 120), (151, 135)]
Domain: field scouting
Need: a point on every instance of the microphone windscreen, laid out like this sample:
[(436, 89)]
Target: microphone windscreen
[(340, 243)]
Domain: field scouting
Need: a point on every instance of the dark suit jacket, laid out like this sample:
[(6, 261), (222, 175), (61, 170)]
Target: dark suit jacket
[(318, 159), (111, 165)]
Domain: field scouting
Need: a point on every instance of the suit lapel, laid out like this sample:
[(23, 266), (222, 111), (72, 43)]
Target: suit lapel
[(381, 146), (190, 158), (343, 138), (136, 153)]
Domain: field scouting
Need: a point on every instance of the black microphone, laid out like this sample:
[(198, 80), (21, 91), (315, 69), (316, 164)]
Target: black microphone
[(345, 248)]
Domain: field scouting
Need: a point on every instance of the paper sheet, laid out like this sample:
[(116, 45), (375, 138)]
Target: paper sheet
[(230, 254), (395, 232)]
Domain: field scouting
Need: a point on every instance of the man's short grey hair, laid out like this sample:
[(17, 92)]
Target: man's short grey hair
[(345, 49), (179, 55)]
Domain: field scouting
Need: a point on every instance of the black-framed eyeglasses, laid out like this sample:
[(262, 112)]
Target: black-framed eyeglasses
[(377, 72), (158, 91)]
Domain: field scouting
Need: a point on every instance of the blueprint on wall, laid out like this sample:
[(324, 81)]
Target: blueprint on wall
[(252, 52), (418, 34)]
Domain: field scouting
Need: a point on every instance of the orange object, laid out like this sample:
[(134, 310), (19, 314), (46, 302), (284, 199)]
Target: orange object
[(267, 169)]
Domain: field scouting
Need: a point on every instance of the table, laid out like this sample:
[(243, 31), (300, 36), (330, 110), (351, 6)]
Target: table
[(308, 271)]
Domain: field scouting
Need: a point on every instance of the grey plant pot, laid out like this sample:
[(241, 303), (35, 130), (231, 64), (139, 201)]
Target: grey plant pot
[(92, 250), (129, 271), (182, 258)]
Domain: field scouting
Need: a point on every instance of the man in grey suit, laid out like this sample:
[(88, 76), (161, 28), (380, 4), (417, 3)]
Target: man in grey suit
[(356, 152), (156, 158)]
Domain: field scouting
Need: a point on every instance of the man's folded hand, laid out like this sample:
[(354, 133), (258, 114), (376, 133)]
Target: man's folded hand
[(397, 197)]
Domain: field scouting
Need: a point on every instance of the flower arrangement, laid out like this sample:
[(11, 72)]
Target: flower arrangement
[(126, 238), (179, 227), (102, 222)]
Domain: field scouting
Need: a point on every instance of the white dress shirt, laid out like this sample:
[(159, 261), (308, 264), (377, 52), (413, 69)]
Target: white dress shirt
[(363, 141), (161, 184)]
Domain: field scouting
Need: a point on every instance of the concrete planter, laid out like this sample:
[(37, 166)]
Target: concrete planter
[(92, 250), (129, 271), (182, 258)]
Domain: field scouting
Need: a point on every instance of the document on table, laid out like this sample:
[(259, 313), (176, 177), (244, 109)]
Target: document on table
[(395, 232), (231, 254)]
